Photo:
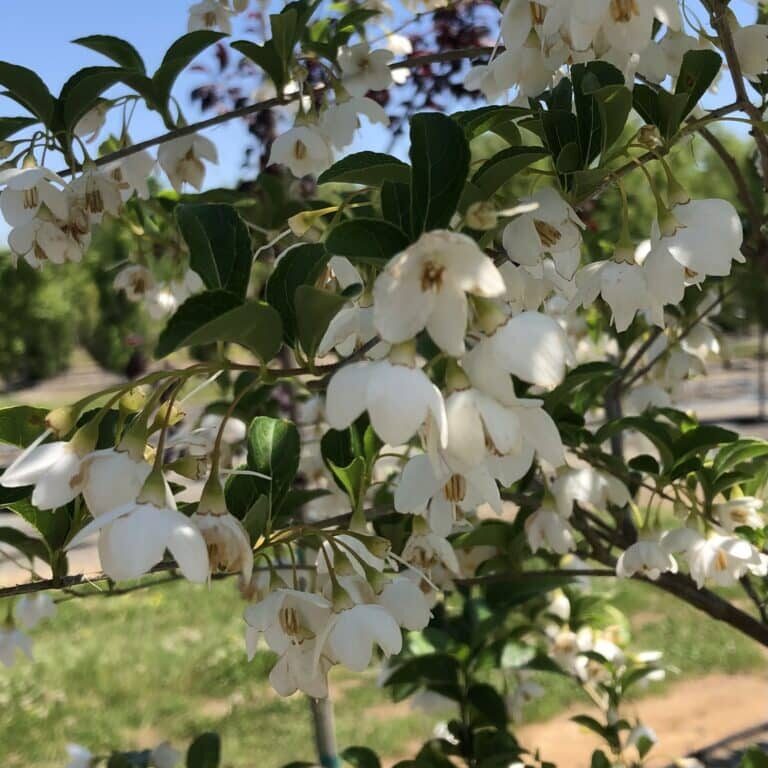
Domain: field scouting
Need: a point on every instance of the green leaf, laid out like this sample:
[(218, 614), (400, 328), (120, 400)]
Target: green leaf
[(29, 90), (27, 545), (120, 51), (738, 452), (266, 57), (299, 266), (204, 751), (315, 308), (82, 92), (659, 434), (599, 760), (440, 162), (754, 757), (21, 424), (697, 72), (366, 241), (488, 705), (219, 316), (371, 169), (500, 168), (178, 57), (350, 455), (274, 448), (11, 125), (360, 757), (595, 118), (284, 33), (475, 122), (701, 439), (52, 525), (220, 248), (396, 204)]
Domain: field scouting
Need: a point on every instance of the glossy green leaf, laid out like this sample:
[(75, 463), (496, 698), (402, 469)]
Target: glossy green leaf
[(440, 162), (120, 51), (366, 241), (11, 125), (371, 169), (21, 424), (360, 757), (315, 308), (697, 72), (220, 248), (82, 92), (178, 57), (266, 57), (29, 90), (218, 316), (302, 265), (475, 122), (274, 449), (500, 168)]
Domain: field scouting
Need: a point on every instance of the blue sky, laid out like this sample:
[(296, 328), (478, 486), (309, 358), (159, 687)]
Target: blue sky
[(151, 25)]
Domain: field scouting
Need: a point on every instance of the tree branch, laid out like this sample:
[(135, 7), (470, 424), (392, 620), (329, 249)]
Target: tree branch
[(411, 62)]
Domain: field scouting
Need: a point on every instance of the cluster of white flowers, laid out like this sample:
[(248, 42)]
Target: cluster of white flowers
[(214, 14), (310, 146)]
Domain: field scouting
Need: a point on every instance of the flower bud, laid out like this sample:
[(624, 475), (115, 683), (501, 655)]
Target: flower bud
[(163, 417), (340, 598), (481, 215), (62, 420), (133, 400), (650, 137), (191, 467)]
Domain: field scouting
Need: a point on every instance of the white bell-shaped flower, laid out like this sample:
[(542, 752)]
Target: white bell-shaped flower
[(27, 190), (112, 478), (546, 529), (438, 492), (590, 486), (30, 610), (707, 239), (209, 14), (525, 67), (135, 281), (90, 124), (355, 632), (182, 160), (304, 149), (426, 286), (738, 512), (751, 43), (13, 641), (42, 241), (97, 192), (552, 228), (53, 468), (365, 70), (427, 550), (646, 557), (132, 173), (133, 538), (399, 399), (341, 121), (404, 600)]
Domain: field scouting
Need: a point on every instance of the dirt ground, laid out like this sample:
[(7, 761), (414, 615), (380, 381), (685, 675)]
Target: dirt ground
[(687, 716)]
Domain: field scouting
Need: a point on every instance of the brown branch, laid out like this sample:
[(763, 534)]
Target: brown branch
[(742, 189), (718, 15), (411, 62)]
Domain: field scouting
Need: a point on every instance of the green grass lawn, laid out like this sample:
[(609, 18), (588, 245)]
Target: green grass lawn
[(169, 663)]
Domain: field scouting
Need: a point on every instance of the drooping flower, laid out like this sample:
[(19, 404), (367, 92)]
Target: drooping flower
[(646, 557), (427, 550), (30, 610), (304, 149), (399, 399), (426, 286), (112, 477), (365, 70), (405, 601), (135, 281), (182, 160), (97, 193), (707, 237), (53, 468), (751, 43), (209, 14), (29, 189), (340, 121), (546, 529), (438, 492), (134, 536), (13, 641), (552, 228), (590, 486), (131, 174), (740, 511), (353, 634), (90, 124)]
